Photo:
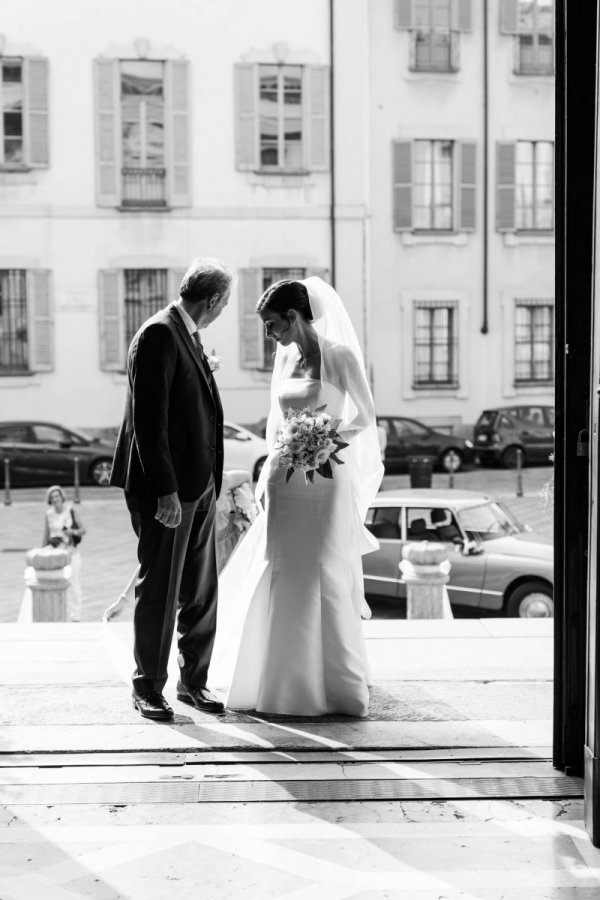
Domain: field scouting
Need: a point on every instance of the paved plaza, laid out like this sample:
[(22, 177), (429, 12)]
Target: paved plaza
[(109, 547)]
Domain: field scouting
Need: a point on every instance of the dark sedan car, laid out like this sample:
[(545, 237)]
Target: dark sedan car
[(407, 438), (501, 434), (44, 453)]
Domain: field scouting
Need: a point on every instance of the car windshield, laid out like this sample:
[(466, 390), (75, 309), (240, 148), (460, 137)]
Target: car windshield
[(486, 419), (488, 521)]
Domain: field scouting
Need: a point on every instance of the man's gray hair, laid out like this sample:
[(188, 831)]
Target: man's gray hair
[(205, 277)]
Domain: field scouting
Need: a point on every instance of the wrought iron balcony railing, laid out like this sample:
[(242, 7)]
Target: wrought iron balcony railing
[(143, 187)]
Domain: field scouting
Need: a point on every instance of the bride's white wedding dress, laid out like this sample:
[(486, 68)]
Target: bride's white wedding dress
[(289, 636)]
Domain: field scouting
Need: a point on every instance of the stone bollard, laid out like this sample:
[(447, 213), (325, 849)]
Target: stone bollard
[(48, 575), (425, 568)]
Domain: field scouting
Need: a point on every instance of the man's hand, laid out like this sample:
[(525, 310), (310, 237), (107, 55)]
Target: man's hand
[(168, 511)]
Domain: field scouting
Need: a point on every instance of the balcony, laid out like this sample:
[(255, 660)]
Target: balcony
[(143, 188)]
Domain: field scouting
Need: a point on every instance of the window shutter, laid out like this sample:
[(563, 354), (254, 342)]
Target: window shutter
[(108, 145), (174, 280), (403, 14), (316, 118), (505, 185), (250, 324), (461, 11), (402, 185), (509, 16), (40, 324), (467, 186), (246, 116), (35, 83), (178, 132), (111, 314)]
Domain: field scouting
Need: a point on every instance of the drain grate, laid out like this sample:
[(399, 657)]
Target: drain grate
[(559, 786)]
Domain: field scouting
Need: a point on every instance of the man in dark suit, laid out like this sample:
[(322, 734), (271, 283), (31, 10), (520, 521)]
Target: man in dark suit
[(169, 460)]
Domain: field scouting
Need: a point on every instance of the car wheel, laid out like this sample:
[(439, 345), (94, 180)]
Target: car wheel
[(510, 457), (100, 472), (258, 468), (451, 460), (531, 600)]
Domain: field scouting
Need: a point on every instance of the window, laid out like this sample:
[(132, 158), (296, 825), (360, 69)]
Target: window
[(434, 46), (535, 185), (142, 133), (145, 294), (23, 113), (49, 434), (127, 297), (436, 344), (434, 27), (408, 429), (282, 118), (525, 186), (434, 185), (534, 341), (12, 113), (15, 434), (535, 38), (14, 352), (432, 200)]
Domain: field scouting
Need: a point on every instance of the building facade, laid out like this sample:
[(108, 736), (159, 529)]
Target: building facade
[(132, 141)]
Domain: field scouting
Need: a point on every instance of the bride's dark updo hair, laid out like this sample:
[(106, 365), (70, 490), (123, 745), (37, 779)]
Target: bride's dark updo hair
[(285, 295)]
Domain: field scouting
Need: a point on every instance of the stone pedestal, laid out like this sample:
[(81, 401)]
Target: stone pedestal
[(425, 568), (48, 576)]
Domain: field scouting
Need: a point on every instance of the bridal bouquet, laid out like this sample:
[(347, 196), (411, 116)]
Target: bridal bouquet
[(309, 441)]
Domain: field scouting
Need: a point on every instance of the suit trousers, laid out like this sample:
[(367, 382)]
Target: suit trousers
[(178, 579)]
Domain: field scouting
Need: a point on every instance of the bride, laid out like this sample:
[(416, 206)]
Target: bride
[(289, 637)]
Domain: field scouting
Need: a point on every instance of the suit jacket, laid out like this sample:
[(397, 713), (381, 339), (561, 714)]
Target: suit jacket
[(171, 437)]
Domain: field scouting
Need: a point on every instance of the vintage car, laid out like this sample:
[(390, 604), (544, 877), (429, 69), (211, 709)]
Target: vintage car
[(498, 565)]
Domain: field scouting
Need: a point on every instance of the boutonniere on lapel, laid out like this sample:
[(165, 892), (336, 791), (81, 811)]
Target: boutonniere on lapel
[(215, 362)]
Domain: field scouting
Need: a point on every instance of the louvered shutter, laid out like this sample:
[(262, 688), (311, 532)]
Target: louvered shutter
[(509, 16), (316, 119), (403, 14), (108, 127), (178, 132), (174, 280), (251, 356), (35, 83), (246, 116), (467, 186), (505, 185), (461, 12), (111, 320), (40, 323), (402, 185)]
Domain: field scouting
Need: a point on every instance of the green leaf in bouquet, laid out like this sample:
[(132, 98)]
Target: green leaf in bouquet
[(325, 469), (289, 473), (336, 459), (321, 408), (334, 424), (310, 476), (339, 445)]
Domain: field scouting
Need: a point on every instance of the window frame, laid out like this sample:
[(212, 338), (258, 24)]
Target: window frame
[(533, 304), (279, 168), (13, 166), (147, 306), (431, 30), (294, 273), (159, 172), (451, 345), (534, 32), (535, 207)]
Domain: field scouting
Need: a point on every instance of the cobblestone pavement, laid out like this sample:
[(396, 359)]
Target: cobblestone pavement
[(109, 547)]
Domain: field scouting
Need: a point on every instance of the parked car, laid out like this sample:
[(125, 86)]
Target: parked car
[(500, 433), (407, 438), (243, 449), (497, 564), (44, 453)]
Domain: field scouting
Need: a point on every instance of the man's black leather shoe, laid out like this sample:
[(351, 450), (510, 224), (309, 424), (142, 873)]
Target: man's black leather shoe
[(152, 706), (201, 698)]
